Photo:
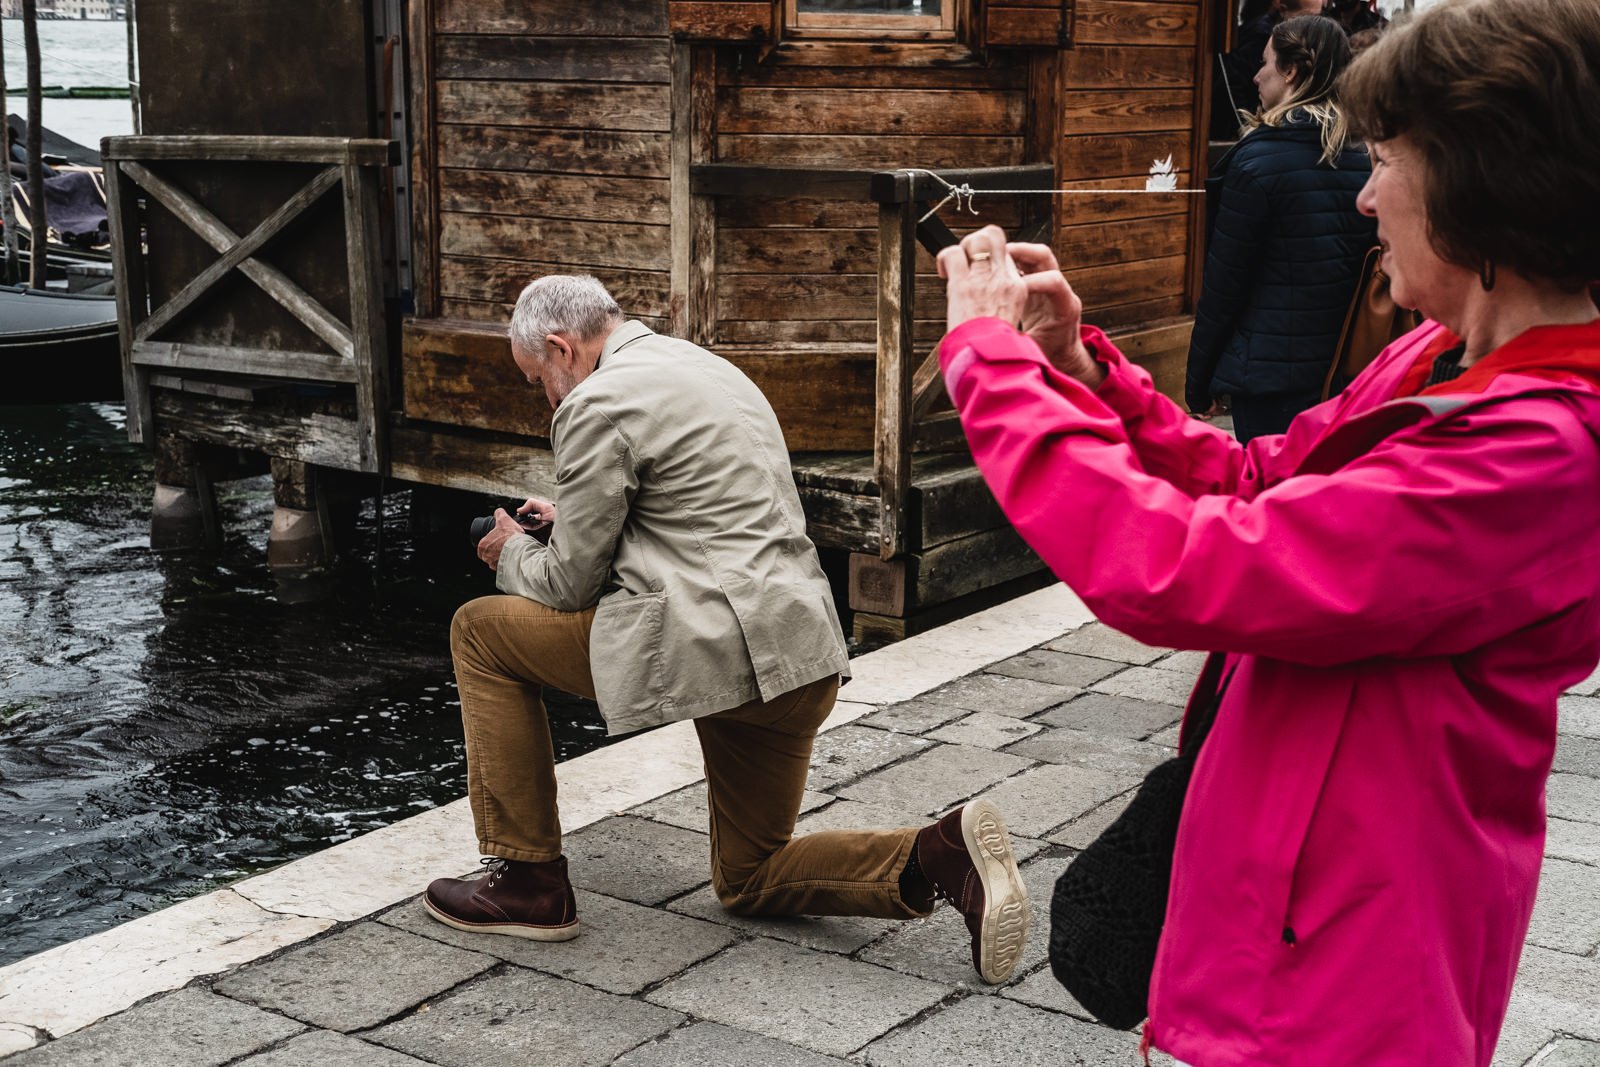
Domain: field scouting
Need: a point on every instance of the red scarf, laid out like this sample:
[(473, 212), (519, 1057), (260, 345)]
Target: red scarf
[(1554, 353)]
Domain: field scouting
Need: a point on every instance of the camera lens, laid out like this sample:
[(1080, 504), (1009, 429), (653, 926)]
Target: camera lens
[(480, 528)]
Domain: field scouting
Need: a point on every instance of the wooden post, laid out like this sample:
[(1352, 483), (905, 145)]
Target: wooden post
[(8, 210), (367, 327), (127, 261), (897, 276), (133, 67), (694, 223), (424, 160), (38, 217)]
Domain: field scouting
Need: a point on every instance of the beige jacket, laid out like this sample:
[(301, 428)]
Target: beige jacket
[(676, 514)]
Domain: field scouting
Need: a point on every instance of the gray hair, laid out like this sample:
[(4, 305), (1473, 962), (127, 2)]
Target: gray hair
[(576, 305)]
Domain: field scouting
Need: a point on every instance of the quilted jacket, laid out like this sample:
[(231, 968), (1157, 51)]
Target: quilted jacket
[(1286, 245)]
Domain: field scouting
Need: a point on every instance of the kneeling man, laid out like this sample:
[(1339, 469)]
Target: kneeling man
[(678, 583)]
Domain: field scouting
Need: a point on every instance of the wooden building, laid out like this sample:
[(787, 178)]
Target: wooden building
[(381, 177)]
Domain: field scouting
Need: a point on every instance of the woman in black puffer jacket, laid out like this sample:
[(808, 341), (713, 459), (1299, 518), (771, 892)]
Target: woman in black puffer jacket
[(1286, 241)]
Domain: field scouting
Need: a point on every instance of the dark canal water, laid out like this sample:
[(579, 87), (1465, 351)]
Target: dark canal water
[(168, 725)]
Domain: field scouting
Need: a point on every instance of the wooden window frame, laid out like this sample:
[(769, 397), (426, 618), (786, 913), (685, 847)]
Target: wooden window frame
[(941, 27)]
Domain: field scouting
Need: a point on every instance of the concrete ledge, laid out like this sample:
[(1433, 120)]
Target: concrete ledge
[(69, 987)]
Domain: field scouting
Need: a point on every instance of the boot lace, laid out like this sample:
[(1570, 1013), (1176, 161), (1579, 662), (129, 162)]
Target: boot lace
[(495, 866)]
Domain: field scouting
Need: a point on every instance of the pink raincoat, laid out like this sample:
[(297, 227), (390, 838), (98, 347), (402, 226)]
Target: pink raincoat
[(1405, 587)]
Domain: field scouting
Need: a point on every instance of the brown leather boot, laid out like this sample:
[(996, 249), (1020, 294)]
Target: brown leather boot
[(532, 900), (966, 858)]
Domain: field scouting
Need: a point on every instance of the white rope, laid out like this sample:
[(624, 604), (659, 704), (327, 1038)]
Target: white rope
[(964, 193)]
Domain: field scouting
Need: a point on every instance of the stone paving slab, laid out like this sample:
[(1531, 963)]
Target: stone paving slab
[(1080, 748), (1047, 796), (1001, 693), (1102, 642), (1574, 796), (851, 751), (914, 716), (845, 814), (1148, 683), (985, 729), (323, 1047), (1558, 990), (710, 1045), (523, 1017), (984, 1031), (190, 1028), (1566, 913), (815, 1000), (623, 947), (1577, 841), (1579, 715), (937, 779), (1112, 716), (1057, 668), (1080, 832), (842, 934), (1569, 1053), (331, 983), (1576, 754), (637, 859), (1188, 663)]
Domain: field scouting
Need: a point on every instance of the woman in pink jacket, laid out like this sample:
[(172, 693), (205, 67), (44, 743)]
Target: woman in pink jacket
[(1401, 585)]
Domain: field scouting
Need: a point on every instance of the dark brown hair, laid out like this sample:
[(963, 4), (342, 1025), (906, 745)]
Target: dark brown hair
[(1501, 98)]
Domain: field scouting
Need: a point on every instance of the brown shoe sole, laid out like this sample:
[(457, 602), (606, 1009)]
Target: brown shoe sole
[(564, 932), (1006, 914)]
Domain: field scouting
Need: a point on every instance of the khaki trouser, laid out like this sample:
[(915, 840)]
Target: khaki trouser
[(757, 755)]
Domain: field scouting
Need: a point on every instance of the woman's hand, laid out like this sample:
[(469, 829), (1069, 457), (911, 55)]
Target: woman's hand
[(1022, 284), (1053, 315)]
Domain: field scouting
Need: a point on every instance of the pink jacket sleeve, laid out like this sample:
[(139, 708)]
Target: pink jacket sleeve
[(1434, 543)]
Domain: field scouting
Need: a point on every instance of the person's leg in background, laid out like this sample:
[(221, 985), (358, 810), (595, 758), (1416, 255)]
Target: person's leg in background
[(506, 649), (1269, 413)]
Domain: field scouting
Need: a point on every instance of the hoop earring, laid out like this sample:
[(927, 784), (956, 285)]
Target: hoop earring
[(1486, 276)]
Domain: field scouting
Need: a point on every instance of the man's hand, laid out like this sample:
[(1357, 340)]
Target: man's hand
[(494, 542), (1053, 314), (535, 510)]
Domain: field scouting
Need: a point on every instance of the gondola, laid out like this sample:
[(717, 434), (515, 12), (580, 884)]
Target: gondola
[(57, 347)]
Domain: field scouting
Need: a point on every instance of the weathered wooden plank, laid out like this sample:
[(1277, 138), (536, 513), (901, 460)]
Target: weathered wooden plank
[(1119, 156), (843, 215), (556, 196), (462, 375), (840, 520), (333, 150), (1126, 111), (576, 59), (311, 433), (494, 314), (1134, 314), (897, 257), (879, 153), (523, 148), (1127, 67), (132, 287), (1135, 22), (575, 244), (921, 112), (561, 105), (1163, 350), (819, 331), (722, 20), (1121, 283), (551, 18), (762, 251), (803, 297), (276, 363), (424, 159), (640, 292), (364, 256), (1100, 207), (1102, 243), (968, 564), (507, 469), (852, 65), (694, 220), (874, 631), (1007, 26)]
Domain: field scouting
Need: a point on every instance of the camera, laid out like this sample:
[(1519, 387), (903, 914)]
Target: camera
[(531, 525)]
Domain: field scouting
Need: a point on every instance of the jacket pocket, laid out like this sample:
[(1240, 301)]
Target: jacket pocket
[(626, 640)]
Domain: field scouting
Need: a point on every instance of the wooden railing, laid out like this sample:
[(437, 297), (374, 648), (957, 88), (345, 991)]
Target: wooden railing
[(907, 390), (356, 350)]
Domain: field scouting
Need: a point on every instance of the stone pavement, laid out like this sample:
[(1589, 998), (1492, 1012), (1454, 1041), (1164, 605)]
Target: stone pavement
[(1057, 735)]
